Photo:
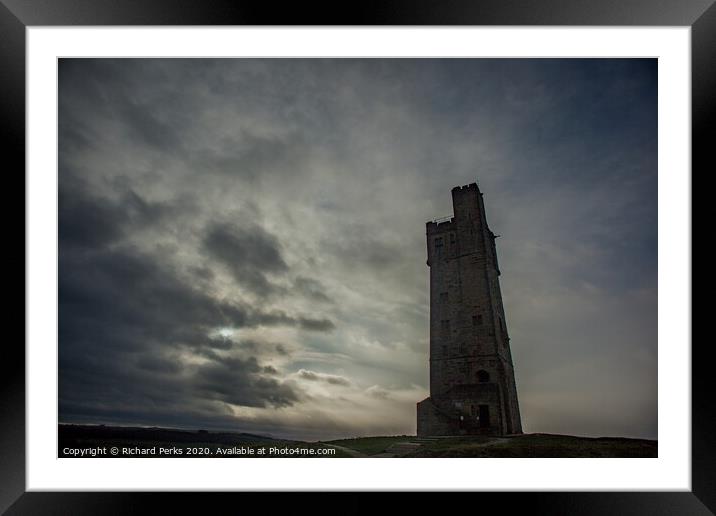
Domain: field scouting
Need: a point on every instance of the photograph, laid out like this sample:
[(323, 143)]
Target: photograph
[(357, 257)]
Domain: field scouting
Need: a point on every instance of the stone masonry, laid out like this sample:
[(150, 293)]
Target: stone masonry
[(472, 381)]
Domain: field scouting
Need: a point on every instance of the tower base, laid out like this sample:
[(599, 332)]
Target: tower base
[(465, 410), (432, 422)]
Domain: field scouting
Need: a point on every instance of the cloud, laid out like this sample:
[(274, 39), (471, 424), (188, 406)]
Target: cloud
[(321, 377), (156, 364), (312, 289), (376, 391), (250, 156), (278, 317), (86, 221), (238, 382), (322, 325), (249, 252), (117, 303)]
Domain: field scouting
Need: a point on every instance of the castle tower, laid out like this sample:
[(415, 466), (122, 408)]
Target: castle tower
[(472, 381)]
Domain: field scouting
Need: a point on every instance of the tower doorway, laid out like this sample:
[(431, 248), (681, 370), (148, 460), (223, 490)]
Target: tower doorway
[(484, 416)]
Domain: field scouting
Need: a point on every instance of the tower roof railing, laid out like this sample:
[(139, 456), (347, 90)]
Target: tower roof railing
[(442, 219)]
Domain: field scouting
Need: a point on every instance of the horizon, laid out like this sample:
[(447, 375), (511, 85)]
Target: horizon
[(269, 436)]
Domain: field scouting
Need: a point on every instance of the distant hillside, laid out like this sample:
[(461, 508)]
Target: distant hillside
[(99, 441), (173, 435)]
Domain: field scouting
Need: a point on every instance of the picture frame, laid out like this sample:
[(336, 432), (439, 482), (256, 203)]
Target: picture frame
[(16, 16)]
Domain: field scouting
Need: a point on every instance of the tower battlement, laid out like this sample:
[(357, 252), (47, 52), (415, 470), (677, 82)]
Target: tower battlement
[(472, 384), (465, 188), (440, 225), (447, 223)]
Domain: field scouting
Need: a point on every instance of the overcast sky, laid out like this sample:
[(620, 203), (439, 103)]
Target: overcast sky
[(242, 241)]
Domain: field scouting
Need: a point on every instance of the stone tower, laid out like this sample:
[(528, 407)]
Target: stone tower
[(472, 381)]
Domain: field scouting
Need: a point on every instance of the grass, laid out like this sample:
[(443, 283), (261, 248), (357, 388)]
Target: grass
[(538, 445), (527, 445), (370, 445), (179, 443)]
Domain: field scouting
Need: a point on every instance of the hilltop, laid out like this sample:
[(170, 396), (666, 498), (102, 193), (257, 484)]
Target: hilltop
[(183, 443), (524, 445)]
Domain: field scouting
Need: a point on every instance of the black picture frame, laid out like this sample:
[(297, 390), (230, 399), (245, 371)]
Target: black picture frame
[(17, 15)]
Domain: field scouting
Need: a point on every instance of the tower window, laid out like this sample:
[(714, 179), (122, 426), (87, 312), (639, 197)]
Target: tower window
[(438, 243), (452, 238), (443, 297), (477, 320), (445, 325), (483, 376)]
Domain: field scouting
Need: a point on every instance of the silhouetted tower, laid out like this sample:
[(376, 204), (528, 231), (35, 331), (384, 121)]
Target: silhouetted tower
[(472, 381)]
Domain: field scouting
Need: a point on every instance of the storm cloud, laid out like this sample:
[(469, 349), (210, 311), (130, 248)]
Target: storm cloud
[(242, 241), (249, 252)]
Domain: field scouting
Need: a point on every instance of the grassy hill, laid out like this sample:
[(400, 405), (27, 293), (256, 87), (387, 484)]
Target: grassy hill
[(100, 441), (526, 445), (167, 442)]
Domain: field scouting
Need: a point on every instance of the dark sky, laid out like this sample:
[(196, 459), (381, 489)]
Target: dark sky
[(242, 241)]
